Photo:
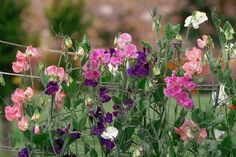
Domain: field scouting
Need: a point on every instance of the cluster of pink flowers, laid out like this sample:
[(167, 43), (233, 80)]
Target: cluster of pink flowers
[(195, 57), (21, 64), (14, 112), (178, 88), (190, 130), (113, 58), (195, 62), (55, 72)]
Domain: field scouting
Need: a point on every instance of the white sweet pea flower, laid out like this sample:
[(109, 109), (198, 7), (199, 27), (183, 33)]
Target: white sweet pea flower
[(113, 69), (222, 97), (110, 133), (219, 134), (196, 19)]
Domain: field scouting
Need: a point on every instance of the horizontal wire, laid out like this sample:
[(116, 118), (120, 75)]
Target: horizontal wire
[(39, 48)]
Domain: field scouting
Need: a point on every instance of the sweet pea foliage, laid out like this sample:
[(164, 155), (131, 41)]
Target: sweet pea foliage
[(126, 100)]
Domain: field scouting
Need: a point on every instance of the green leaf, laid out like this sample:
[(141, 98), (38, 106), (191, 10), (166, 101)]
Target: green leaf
[(171, 31), (116, 100), (172, 150), (93, 153), (211, 62), (181, 118), (85, 44), (225, 146), (202, 118), (82, 121), (231, 118), (228, 31), (41, 138), (146, 45), (141, 83)]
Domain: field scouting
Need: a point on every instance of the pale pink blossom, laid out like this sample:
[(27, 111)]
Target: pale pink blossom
[(23, 124), (54, 72), (29, 93), (202, 42), (194, 54), (192, 67), (31, 51), (124, 39), (130, 51), (21, 56), (59, 99), (20, 67), (21, 64), (51, 70), (9, 113), (13, 113), (18, 96), (190, 130)]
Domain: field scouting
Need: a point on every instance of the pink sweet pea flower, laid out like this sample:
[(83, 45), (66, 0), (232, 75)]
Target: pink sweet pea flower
[(100, 56), (202, 43), (59, 99), (192, 67), (93, 74), (124, 39), (9, 113), (54, 71), (31, 51), (23, 124), (18, 96), (21, 56), (20, 65), (190, 130), (130, 51), (194, 54), (29, 93), (12, 113), (176, 88), (51, 70)]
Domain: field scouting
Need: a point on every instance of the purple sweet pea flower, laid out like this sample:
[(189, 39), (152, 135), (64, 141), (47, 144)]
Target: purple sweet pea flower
[(109, 145), (97, 130), (23, 153), (58, 145), (141, 69), (51, 88), (103, 91), (75, 135), (90, 83), (108, 118)]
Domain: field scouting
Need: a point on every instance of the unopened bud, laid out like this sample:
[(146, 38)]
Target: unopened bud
[(36, 129), (35, 116), (88, 102), (68, 42)]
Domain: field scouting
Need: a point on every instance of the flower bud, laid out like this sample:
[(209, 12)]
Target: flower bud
[(35, 116), (36, 129), (88, 102), (68, 42)]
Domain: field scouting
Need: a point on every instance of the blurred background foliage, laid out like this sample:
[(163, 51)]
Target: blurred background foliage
[(10, 30), (66, 18)]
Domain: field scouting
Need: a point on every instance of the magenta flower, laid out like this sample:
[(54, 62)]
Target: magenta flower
[(177, 87)]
